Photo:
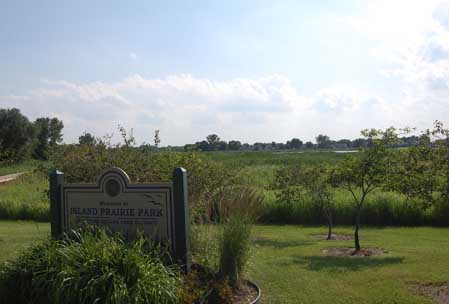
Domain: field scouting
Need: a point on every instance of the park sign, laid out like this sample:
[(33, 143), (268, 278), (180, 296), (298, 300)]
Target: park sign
[(158, 210)]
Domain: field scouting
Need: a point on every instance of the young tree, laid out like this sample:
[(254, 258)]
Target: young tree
[(315, 180), (361, 174)]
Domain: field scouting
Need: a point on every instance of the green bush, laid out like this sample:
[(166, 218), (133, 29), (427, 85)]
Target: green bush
[(89, 267), (205, 177)]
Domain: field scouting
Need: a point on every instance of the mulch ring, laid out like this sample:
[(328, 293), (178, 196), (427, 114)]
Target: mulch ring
[(335, 237), (351, 252), (439, 293), (202, 283), (245, 294)]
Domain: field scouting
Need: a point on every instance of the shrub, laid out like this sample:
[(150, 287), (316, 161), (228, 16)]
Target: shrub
[(89, 267), (205, 177)]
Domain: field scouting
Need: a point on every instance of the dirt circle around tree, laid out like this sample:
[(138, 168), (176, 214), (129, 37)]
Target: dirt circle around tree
[(248, 293), (335, 237), (439, 293), (351, 252)]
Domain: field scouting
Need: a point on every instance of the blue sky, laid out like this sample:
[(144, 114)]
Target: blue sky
[(246, 70)]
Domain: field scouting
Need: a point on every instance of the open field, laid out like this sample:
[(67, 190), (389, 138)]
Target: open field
[(259, 167), (25, 198), (258, 158), (288, 263)]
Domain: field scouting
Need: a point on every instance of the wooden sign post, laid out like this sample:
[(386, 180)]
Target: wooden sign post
[(159, 210)]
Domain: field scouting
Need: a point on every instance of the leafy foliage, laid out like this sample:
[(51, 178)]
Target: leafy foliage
[(287, 183), (89, 266), (362, 174), (206, 178), (423, 171), (15, 134), (48, 135), (87, 139)]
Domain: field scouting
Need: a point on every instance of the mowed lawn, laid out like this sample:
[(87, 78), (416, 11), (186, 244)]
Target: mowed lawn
[(17, 235), (288, 264), (290, 267)]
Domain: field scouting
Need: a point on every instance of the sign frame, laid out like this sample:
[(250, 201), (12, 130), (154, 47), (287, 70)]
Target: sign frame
[(176, 199)]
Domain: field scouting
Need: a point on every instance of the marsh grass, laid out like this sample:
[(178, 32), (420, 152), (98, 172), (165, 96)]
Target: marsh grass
[(265, 158), (26, 198), (381, 209), (10, 168)]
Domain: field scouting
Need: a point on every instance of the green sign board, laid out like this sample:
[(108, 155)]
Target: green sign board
[(159, 210)]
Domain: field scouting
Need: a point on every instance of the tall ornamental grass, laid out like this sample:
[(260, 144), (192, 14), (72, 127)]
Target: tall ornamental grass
[(239, 209), (89, 266)]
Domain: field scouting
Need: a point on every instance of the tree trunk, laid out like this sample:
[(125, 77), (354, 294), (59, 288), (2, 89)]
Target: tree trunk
[(329, 224), (356, 233)]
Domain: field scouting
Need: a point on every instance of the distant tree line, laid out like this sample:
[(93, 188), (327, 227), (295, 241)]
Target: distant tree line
[(21, 138), (322, 141)]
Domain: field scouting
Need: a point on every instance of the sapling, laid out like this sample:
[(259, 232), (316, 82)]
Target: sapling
[(315, 180), (363, 173)]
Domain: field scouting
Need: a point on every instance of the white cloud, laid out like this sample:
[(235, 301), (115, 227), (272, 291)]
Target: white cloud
[(184, 107), (412, 39), (133, 56)]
